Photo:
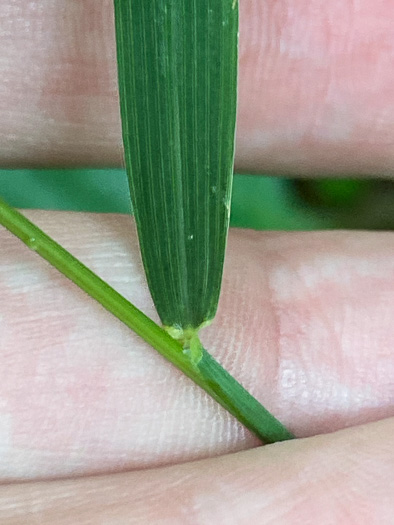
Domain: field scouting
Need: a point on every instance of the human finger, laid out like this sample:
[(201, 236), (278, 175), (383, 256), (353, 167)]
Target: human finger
[(315, 86), (304, 322), (341, 478)]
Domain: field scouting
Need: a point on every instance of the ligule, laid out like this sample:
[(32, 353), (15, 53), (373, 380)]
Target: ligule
[(177, 63)]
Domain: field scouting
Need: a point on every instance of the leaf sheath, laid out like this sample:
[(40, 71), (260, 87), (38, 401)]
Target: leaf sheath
[(206, 372)]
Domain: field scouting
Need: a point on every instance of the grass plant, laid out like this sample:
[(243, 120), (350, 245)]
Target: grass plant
[(177, 64)]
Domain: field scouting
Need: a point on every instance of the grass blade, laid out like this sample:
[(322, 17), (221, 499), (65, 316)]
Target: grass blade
[(177, 62)]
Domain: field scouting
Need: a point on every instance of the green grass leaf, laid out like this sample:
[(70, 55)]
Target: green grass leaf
[(177, 62)]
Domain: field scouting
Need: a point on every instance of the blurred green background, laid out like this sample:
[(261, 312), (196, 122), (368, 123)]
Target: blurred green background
[(259, 202)]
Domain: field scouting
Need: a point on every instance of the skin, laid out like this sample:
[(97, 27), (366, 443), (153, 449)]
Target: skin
[(97, 428)]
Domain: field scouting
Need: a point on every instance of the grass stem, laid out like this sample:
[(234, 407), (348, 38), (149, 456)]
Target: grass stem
[(204, 371)]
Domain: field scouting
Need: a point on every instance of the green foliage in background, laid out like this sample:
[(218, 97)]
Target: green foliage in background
[(259, 202)]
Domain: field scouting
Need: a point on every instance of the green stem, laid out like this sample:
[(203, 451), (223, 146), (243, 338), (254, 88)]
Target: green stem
[(204, 371)]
